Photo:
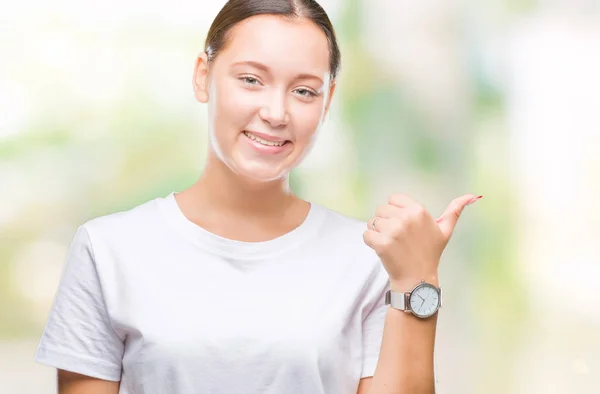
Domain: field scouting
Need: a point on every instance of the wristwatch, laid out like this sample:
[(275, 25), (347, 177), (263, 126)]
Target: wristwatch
[(423, 301)]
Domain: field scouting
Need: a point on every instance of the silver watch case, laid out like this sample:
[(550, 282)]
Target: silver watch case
[(401, 301)]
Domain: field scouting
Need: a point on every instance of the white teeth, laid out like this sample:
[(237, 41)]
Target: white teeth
[(261, 141)]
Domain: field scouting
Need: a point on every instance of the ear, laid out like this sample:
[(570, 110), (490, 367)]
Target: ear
[(200, 79), (329, 97)]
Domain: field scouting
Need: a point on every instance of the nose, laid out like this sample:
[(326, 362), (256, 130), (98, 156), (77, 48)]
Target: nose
[(274, 111)]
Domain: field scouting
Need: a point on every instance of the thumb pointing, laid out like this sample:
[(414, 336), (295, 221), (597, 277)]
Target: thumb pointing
[(449, 218)]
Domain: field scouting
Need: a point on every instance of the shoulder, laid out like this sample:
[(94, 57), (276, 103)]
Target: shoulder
[(342, 222), (344, 234), (124, 225)]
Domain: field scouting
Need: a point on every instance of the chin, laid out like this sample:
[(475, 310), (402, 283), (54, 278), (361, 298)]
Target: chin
[(259, 172)]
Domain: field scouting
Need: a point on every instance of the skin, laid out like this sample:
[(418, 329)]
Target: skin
[(243, 195), (287, 95)]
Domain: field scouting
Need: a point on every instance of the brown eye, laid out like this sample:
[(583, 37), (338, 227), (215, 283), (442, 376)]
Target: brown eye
[(305, 92), (250, 80)]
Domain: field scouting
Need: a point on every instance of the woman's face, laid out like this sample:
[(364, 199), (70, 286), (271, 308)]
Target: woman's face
[(268, 91)]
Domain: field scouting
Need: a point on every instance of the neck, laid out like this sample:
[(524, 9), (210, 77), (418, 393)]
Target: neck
[(222, 189)]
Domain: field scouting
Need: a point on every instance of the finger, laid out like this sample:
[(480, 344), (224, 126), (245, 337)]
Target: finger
[(373, 239), (369, 236), (449, 218), (374, 223), (388, 211), (383, 212), (371, 221), (382, 224), (401, 200)]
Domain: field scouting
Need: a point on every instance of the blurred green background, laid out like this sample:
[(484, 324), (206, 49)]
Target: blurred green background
[(435, 99)]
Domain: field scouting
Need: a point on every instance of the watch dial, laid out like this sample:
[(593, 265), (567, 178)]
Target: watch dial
[(424, 301)]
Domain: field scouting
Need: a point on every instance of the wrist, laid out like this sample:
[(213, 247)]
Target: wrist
[(402, 285)]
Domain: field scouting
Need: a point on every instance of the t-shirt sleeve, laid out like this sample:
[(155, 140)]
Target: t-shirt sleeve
[(78, 335), (373, 321)]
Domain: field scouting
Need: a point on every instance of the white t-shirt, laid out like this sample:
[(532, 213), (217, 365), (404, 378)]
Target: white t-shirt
[(149, 298)]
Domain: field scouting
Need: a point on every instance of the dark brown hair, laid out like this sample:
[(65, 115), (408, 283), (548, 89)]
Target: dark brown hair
[(237, 10)]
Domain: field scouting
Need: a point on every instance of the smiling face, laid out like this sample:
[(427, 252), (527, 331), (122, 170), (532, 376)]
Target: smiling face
[(268, 91)]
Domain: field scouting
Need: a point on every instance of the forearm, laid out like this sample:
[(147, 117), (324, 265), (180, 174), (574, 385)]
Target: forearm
[(409, 243), (405, 364)]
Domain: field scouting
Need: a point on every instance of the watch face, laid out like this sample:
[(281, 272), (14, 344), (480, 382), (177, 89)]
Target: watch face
[(424, 300)]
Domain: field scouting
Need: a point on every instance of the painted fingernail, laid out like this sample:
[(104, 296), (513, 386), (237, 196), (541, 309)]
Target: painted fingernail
[(473, 200)]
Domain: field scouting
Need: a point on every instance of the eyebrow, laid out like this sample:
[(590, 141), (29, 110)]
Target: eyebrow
[(264, 68)]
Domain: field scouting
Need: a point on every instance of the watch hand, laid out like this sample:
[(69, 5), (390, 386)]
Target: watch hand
[(424, 300)]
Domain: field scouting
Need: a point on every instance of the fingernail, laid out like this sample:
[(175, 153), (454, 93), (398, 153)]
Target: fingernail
[(473, 200)]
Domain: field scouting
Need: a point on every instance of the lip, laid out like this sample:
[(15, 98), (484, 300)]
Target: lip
[(266, 136), (266, 149)]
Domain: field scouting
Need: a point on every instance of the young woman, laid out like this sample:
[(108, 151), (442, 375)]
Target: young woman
[(236, 285)]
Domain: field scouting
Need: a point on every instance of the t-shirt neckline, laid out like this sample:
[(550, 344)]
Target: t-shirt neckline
[(240, 249)]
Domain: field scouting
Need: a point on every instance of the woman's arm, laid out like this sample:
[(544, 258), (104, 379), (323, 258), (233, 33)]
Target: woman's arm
[(74, 383), (409, 243), (365, 385), (79, 335), (406, 359)]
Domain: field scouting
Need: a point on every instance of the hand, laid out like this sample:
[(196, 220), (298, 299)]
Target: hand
[(408, 240)]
